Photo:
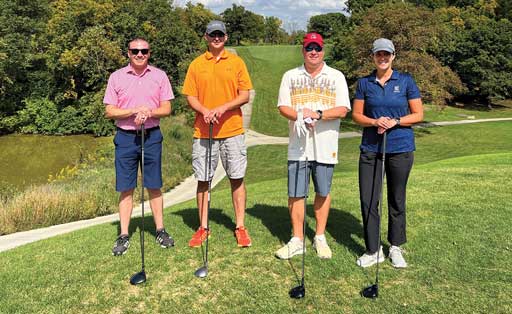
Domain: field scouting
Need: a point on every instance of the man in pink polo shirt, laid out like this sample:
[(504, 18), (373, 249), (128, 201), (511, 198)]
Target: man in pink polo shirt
[(138, 94)]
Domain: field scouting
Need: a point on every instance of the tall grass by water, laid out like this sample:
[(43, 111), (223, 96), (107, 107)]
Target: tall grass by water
[(87, 189)]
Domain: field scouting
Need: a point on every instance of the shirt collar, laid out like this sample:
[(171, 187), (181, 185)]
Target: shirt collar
[(302, 68), (208, 55), (131, 70), (394, 76)]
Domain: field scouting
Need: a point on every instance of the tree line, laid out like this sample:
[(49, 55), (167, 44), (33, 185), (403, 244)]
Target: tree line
[(56, 55)]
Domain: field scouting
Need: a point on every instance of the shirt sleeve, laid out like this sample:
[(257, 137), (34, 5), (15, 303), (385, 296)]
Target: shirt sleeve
[(360, 90), (284, 98), (342, 96), (166, 92), (413, 92), (111, 97), (244, 80)]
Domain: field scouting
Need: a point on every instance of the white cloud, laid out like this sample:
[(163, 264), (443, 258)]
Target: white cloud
[(294, 13)]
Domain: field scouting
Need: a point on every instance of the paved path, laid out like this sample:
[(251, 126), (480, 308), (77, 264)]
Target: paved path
[(183, 192)]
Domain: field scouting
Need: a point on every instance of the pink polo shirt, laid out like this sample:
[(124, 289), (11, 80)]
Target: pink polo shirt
[(126, 89)]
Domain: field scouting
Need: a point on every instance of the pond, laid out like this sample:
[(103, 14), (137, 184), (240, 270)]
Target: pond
[(30, 159)]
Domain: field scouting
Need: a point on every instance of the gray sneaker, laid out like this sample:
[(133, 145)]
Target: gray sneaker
[(164, 239), (121, 245), (367, 260), (397, 258), (292, 248)]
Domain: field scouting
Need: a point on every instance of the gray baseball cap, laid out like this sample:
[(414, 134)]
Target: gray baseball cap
[(383, 44), (215, 26)]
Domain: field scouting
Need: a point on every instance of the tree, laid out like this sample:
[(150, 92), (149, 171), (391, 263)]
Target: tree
[(21, 61), (70, 52), (197, 17), (413, 30), (328, 24), (274, 34), (478, 48), (242, 24)]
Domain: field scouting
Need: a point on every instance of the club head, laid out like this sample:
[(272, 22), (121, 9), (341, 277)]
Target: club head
[(371, 292), (201, 272), (138, 278), (298, 292)]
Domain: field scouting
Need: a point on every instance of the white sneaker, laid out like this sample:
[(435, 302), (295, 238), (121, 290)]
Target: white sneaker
[(367, 260), (322, 248), (397, 258), (292, 248)]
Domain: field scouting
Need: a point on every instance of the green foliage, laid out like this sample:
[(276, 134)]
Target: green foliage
[(243, 25), (22, 22), (478, 48), (413, 30), (197, 17), (59, 56), (328, 24), (274, 34)]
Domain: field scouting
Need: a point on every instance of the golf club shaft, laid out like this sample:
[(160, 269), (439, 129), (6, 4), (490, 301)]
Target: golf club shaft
[(383, 171), (210, 143), (142, 130), (306, 190)]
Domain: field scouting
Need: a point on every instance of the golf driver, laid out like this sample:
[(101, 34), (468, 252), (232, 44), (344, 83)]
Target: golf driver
[(140, 277), (372, 292), (202, 272), (299, 291)]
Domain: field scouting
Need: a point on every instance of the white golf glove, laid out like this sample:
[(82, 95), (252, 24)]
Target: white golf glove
[(300, 126)]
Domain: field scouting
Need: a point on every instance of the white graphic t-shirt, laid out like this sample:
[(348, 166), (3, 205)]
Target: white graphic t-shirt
[(327, 90)]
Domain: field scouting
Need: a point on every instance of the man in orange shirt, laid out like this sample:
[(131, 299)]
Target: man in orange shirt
[(217, 84)]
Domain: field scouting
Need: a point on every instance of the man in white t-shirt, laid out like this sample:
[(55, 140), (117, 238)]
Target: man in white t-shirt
[(313, 97)]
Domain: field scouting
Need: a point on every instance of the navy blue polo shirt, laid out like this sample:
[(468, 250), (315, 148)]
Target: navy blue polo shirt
[(390, 100)]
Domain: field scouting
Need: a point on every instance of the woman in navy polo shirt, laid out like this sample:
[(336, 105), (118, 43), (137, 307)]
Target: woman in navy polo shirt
[(385, 101)]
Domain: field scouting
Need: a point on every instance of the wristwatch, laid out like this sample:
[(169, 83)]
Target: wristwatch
[(320, 113), (397, 121)]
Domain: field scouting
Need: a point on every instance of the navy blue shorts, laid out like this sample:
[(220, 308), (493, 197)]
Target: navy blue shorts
[(128, 157)]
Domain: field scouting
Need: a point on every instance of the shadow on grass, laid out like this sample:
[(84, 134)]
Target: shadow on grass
[(136, 223), (344, 227), (190, 217), (275, 218)]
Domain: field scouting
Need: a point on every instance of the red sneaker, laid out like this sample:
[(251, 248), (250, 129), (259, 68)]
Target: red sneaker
[(199, 237), (242, 237)]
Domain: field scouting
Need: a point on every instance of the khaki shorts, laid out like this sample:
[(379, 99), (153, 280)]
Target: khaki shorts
[(232, 151)]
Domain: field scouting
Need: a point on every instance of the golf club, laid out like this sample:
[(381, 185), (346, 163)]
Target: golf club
[(202, 272), (299, 291), (372, 292), (140, 277)]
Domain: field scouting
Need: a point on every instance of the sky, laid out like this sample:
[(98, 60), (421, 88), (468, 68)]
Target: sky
[(294, 13)]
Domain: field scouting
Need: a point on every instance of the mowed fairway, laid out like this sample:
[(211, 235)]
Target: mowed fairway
[(459, 248)]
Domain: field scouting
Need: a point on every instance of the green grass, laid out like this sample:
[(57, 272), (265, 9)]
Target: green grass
[(459, 247), (267, 64)]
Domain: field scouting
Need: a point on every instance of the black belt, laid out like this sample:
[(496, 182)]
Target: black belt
[(137, 132)]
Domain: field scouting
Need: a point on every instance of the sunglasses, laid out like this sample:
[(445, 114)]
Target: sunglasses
[(216, 34), (136, 51), (313, 47)]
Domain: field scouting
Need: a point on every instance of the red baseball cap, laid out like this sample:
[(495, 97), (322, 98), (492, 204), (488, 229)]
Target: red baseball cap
[(313, 38)]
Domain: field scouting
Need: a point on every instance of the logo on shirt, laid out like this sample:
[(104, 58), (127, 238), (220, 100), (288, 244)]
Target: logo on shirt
[(396, 89)]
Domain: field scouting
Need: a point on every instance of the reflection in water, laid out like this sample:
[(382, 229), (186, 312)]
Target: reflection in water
[(30, 159)]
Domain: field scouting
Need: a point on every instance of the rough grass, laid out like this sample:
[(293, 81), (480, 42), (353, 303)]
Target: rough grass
[(458, 249)]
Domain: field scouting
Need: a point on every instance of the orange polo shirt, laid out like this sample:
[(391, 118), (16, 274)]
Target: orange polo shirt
[(215, 82)]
